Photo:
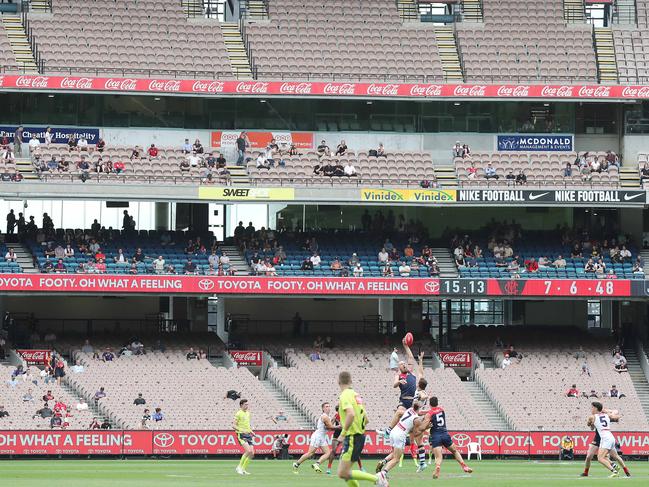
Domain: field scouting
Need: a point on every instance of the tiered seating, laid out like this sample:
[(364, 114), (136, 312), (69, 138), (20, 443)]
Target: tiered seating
[(397, 169), (164, 168), (7, 57), (8, 266), (21, 412), (540, 169), (149, 242), (309, 384), (526, 41), (632, 48), (191, 393), (341, 40), (574, 267), (101, 35), (532, 393)]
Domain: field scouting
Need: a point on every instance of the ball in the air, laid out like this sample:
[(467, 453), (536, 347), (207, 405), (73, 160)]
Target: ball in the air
[(409, 339)]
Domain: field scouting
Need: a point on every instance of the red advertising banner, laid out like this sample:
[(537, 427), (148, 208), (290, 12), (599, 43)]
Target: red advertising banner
[(35, 357), (144, 442), (457, 359), (309, 286), (321, 89), (260, 140), (247, 357)]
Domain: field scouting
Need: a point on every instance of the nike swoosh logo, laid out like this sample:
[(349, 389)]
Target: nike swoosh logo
[(537, 196), (631, 197)]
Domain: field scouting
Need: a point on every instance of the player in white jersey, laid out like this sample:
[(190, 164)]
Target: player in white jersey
[(398, 436), (601, 420), (319, 440)]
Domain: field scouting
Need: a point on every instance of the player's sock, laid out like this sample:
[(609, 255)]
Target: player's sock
[(358, 475), (401, 460), (422, 455), (331, 461), (242, 460), (353, 483), (626, 471), (586, 471), (360, 465), (245, 463)]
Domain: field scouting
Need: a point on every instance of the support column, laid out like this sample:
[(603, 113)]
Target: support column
[(162, 211)]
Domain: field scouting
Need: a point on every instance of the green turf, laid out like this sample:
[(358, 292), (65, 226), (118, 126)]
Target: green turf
[(268, 473)]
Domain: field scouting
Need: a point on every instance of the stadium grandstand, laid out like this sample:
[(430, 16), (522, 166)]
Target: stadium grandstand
[(215, 211)]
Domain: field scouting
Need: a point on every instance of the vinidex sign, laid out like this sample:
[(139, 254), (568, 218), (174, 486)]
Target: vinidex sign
[(319, 88), (203, 442)]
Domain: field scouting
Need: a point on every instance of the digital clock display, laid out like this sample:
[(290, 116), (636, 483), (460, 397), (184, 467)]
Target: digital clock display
[(463, 287)]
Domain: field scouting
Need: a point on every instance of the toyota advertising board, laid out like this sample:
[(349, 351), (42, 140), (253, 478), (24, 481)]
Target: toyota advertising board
[(199, 442)]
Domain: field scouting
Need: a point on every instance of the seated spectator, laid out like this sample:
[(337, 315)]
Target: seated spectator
[(60, 266), (433, 269), (281, 417), (349, 169), (380, 151), (186, 147), (191, 354), (315, 259), (44, 412), (152, 151), (589, 266), (456, 150), (466, 151), (383, 256), (341, 150), (387, 271), (118, 167), (615, 392), (158, 415), (190, 267), (194, 160), (336, 265), (358, 270), (307, 265), (220, 160), (472, 171), (625, 254), (490, 172), (619, 362), (506, 361), (262, 162), (404, 269), (197, 148), (323, 149), (567, 171), (559, 263), (82, 144), (644, 172), (72, 143), (106, 425), (7, 155), (101, 145), (510, 177), (100, 394), (521, 178), (10, 256), (34, 144), (108, 355), (573, 391)]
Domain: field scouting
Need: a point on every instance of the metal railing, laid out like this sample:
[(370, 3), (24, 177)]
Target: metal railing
[(52, 69), (243, 30), (24, 20)]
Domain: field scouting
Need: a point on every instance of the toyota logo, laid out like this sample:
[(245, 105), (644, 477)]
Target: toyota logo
[(163, 440), (432, 287), (461, 439), (206, 284)]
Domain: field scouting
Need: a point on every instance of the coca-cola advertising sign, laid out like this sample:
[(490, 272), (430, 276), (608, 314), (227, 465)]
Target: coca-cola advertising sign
[(35, 357), (247, 358), (457, 359), (215, 442), (323, 89)]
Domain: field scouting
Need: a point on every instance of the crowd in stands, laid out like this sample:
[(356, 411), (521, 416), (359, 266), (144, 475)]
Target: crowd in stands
[(564, 250)]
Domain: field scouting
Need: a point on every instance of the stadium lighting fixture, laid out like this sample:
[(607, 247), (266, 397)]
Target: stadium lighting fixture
[(50, 96), (262, 101), (457, 103), (369, 102), (157, 98)]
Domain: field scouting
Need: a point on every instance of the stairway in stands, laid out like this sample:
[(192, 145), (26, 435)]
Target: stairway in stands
[(237, 260), (446, 176), (496, 420), (26, 168), (24, 257), (605, 54), (19, 43), (638, 378), (624, 12), (408, 11), (288, 406), (472, 11), (192, 8), (629, 177), (447, 47), (39, 6), (574, 12), (256, 10), (236, 50), (447, 267)]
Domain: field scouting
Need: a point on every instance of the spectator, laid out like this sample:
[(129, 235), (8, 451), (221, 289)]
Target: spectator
[(358, 270), (457, 149), (615, 392), (404, 269), (87, 348), (158, 415), (262, 162), (159, 265), (106, 425), (56, 421), (48, 136), (197, 148), (307, 265), (559, 263), (380, 151), (153, 152), (349, 169), (573, 391), (341, 150), (82, 144), (139, 400), (625, 254), (619, 363), (101, 145), (18, 140), (490, 172), (567, 451), (637, 268), (315, 259), (44, 412), (100, 394), (59, 370), (510, 177), (94, 424), (77, 368), (186, 147), (506, 361), (119, 167), (7, 155), (242, 144), (585, 369), (28, 397), (580, 354), (644, 172), (146, 417), (531, 265), (466, 151), (191, 354), (34, 145), (521, 178), (281, 417), (567, 171), (472, 171), (190, 267), (323, 149), (108, 355), (10, 256)]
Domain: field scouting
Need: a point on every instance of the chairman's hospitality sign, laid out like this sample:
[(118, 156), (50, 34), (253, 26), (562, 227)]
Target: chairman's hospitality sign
[(535, 143), (214, 442)]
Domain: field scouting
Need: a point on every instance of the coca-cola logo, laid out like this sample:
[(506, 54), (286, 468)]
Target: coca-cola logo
[(342, 89), (383, 90), (206, 284), (127, 84), (469, 90), (426, 90), (595, 91), (462, 357), (635, 92), (245, 357), (556, 91), (163, 440), (32, 81), (34, 355), (257, 87), (76, 83), (208, 86), (514, 91), (164, 85), (295, 88)]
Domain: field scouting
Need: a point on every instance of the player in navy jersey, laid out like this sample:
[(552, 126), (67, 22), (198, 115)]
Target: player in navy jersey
[(439, 438)]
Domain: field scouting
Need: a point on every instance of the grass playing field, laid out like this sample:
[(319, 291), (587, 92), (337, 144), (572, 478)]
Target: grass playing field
[(268, 473)]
